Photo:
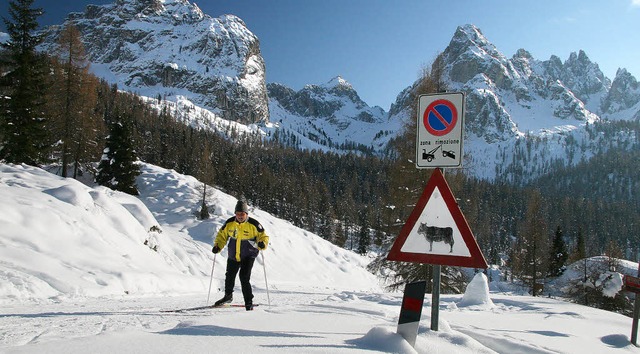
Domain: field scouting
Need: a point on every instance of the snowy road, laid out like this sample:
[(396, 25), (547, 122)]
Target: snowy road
[(296, 322), (82, 278), (310, 321)]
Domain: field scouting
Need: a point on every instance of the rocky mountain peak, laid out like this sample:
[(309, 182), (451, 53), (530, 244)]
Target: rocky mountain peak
[(323, 100), (523, 54), (470, 53), (554, 66), (337, 81), (469, 36), (624, 95), (169, 47), (585, 79), (178, 10)]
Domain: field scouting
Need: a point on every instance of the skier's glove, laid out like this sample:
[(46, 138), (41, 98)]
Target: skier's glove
[(261, 245), (215, 249)]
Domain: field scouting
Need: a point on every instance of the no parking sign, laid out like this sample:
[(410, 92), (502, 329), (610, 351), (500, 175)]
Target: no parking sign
[(439, 135)]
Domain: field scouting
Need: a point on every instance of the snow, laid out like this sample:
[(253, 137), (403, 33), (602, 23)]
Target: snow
[(477, 293), (79, 273)]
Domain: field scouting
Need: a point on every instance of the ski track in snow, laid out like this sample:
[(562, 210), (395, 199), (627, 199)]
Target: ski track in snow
[(71, 282), (303, 320), (50, 323)]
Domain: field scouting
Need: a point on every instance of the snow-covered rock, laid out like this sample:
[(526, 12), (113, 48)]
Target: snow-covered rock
[(477, 293)]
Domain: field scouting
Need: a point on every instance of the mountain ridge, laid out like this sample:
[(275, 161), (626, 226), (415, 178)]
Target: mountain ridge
[(508, 100)]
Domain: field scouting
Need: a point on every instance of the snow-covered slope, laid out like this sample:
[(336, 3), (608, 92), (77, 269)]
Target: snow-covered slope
[(61, 240), (89, 269)]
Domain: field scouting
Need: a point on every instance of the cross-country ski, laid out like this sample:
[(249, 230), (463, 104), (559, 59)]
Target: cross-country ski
[(207, 307)]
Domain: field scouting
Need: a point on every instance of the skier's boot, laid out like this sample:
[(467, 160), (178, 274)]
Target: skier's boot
[(249, 306), (225, 300)]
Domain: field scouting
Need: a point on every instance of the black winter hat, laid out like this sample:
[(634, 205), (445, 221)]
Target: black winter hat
[(242, 206)]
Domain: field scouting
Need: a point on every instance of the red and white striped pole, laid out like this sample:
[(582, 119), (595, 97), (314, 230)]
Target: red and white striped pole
[(411, 311)]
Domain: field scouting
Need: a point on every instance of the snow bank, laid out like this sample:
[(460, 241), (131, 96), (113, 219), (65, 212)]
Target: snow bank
[(477, 293), (61, 239)]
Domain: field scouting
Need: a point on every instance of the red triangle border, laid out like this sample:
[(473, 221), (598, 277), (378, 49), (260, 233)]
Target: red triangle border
[(476, 259)]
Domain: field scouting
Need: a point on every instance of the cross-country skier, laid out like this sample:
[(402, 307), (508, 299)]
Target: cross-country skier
[(246, 238)]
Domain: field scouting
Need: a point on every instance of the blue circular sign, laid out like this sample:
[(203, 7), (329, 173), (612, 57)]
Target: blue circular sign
[(440, 117)]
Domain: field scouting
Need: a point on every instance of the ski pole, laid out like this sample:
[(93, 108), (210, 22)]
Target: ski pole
[(264, 267), (211, 279)]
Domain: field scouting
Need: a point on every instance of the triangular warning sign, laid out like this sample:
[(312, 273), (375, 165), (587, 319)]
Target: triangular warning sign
[(436, 231)]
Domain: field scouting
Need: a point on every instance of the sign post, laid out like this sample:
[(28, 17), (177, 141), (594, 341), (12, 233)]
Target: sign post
[(435, 298), (633, 284), (436, 231)]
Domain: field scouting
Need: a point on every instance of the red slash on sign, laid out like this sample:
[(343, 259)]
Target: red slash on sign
[(440, 117)]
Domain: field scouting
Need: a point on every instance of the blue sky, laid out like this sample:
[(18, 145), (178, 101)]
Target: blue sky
[(380, 46)]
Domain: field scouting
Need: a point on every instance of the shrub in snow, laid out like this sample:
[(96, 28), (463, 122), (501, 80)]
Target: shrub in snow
[(596, 282)]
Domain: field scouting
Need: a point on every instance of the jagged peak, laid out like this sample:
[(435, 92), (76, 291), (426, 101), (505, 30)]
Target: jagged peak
[(470, 34), (555, 59), (470, 31), (624, 78), (522, 53), (580, 58), (179, 10), (469, 38), (622, 72), (337, 81)]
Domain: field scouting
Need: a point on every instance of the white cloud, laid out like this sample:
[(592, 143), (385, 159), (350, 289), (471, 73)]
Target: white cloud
[(635, 3)]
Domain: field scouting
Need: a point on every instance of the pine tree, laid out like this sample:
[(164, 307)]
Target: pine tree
[(204, 209), (118, 167), (205, 173), (24, 130), (73, 102), (614, 254), (364, 237), (530, 258), (580, 251), (559, 255)]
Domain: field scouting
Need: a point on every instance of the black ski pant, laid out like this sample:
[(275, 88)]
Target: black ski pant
[(244, 266)]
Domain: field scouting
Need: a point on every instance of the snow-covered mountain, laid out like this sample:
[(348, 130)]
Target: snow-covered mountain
[(171, 49), (522, 114), (331, 115), (550, 92)]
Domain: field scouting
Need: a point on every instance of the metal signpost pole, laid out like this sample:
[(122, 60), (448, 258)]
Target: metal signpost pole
[(636, 314), (634, 327), (435, 298), (435, 294)]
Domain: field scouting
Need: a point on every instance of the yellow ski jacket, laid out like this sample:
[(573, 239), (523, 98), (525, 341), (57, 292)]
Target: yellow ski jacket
[(243, 238)]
